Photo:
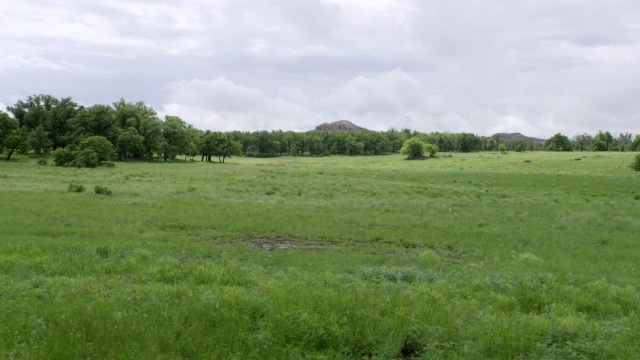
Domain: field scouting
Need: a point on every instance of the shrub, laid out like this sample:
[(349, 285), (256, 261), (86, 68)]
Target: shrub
[(431, 149), (108, 164), (636, 163), (100, 146), (87, 158), (63, 157), (101, 190), (42, 162), (75, 188), (413, 148), (502, 148)]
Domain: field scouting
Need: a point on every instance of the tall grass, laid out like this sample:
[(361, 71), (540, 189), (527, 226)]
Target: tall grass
[(471, 256)]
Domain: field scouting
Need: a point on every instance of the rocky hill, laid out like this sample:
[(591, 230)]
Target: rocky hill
[(342, 125), (518, 136)]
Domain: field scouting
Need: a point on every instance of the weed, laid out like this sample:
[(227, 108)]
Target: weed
[(101, 190), (103, 251), (635, 165), (77, 188)]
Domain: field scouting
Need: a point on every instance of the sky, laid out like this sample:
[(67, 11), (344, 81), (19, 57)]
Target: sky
[(538, 67)]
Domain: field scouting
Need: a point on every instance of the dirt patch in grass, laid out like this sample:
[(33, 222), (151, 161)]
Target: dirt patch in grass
[(449, 253), (287, 243)]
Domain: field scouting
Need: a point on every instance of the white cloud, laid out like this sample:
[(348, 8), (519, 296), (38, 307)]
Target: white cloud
[(220, 104), (392, 99), (12, 62)]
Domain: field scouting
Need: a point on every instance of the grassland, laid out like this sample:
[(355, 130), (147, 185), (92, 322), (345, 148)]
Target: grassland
[(478, 256)]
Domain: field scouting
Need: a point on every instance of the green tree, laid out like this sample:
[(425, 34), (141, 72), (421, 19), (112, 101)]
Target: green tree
[(522, 145), (318, 144), (581, 142), (466, 142), (176, 137), (624, 141), (265, 145), (226, 147), (395, 139), (144, 119), (502, 148), (16, 140), (207, 144), (33, 112), (130, 144), (59, 122), (558, 142), (7, 126), (38, 140), (635, 145), (150, 128), (413, 148), (97, 120), (604, 141), (52, 114), (300, 144)]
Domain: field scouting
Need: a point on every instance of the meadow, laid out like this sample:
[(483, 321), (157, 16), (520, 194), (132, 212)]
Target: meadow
[(465, 256)]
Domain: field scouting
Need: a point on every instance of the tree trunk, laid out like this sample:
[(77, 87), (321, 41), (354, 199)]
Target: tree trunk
[(10, 153)]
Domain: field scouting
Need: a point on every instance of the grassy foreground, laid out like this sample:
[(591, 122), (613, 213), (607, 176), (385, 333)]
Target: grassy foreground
[(470, 256)]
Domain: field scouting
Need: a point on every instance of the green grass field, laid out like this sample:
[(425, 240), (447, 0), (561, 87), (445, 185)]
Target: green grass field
[(467, 256)]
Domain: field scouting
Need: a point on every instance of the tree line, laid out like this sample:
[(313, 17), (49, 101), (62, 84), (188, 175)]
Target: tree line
[(123, 130)]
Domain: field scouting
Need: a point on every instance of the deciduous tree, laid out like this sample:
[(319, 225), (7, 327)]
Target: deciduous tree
[(558, 142)]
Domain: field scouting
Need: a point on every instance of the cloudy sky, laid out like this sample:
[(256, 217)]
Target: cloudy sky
[(482, 66)]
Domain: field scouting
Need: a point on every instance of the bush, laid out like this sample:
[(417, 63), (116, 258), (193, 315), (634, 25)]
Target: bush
[(101, 190), (87, 158), (108, 164), (42, 162), (91, 152), (431, 149), (63, 157), (75, 188), (100, 146), (413, 148), (636, 163)]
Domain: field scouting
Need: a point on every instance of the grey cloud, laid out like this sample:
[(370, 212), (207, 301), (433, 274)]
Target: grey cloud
[(537, 67)]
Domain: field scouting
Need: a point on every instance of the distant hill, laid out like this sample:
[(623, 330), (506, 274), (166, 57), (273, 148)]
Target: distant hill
[(518, 136), (342, 125)]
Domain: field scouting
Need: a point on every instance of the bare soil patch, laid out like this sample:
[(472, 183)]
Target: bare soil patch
[(287, 243)]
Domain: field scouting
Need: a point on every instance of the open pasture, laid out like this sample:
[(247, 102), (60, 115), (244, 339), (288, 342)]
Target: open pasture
[(472, 256)]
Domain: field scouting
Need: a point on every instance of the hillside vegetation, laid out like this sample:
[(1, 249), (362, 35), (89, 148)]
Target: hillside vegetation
[(476, 256)]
